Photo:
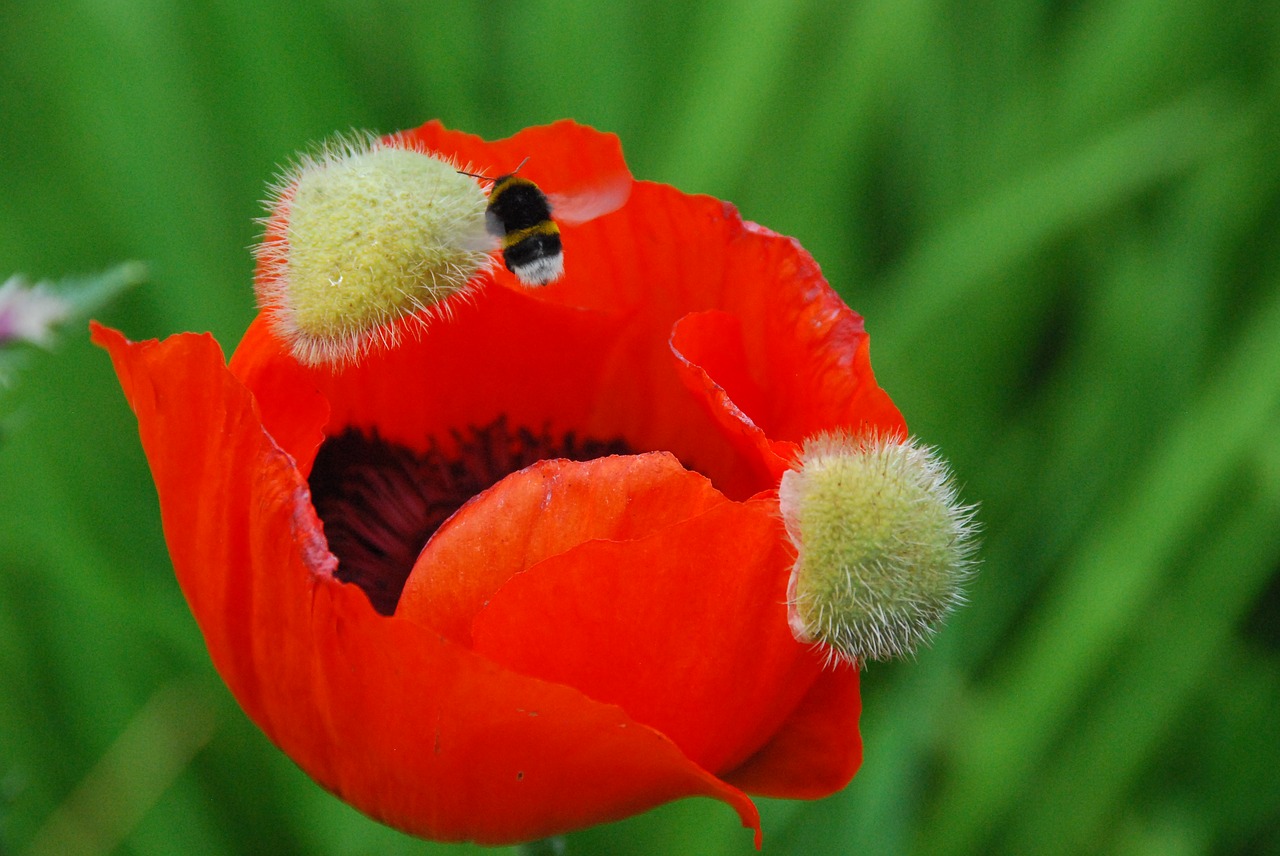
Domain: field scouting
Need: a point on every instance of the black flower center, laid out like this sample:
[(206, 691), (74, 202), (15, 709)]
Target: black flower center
[(381, 501)]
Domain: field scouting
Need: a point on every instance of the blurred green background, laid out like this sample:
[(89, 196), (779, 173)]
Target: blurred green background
[(1060, 220)]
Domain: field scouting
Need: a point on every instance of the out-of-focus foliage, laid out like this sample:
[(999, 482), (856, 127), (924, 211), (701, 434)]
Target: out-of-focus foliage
[(32, 314), (1060, 220)]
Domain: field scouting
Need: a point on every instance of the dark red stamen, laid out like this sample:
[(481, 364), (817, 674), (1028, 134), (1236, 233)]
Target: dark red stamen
[(381, 501)]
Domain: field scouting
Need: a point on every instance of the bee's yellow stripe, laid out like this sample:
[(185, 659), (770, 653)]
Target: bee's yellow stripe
[(546, 227), (508, 182)]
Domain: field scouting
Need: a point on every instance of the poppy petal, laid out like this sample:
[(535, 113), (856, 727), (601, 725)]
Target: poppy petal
[(429, 385), (563, 158), (541, 366), (817, 750), (806, 351), (580, 167), (291, 408), (803, 349), (792, 379), (405, 725), (724, 672), (709, 354), (537, 513)]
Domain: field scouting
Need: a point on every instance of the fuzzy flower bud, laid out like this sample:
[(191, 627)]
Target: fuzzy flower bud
[(883, 545), (362, 237)]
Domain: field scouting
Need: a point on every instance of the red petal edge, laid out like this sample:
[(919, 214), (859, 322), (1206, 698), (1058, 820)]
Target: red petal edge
[(685, 629), (817, 750), (407, 726), (537, 513)]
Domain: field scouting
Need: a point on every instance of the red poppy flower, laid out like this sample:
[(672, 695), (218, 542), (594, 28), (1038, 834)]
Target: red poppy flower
[(526, 573)]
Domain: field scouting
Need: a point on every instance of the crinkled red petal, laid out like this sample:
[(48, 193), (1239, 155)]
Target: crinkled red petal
[(817, 750), (709, 356), (501, 355), (563, 158), (800, 360), (288, 402), (685, 629), (804, 358), (508, 353), (538, 513), (404, 724)]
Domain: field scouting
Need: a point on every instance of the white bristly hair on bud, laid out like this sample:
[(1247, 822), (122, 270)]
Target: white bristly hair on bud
[(362, 236), (884, 546)]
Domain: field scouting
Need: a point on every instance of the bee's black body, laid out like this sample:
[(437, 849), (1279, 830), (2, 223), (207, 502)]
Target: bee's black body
[(520, 215)]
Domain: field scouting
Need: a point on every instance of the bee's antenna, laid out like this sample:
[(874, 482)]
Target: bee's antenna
[(484, 177), (478, 175)]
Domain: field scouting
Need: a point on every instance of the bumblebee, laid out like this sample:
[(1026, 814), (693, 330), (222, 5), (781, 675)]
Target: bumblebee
[(519, 215)]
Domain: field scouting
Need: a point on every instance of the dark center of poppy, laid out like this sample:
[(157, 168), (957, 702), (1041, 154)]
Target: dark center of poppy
[(380, 501)]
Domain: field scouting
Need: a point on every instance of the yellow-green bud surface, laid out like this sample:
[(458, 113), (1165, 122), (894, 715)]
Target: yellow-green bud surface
[(373, 235), (883, 545)]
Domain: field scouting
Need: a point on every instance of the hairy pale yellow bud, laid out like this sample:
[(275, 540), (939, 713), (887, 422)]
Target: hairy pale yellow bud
[(362, 237), (883, 545)]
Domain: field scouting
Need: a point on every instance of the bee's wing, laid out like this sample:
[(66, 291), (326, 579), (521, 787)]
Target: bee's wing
[(580, 206)]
